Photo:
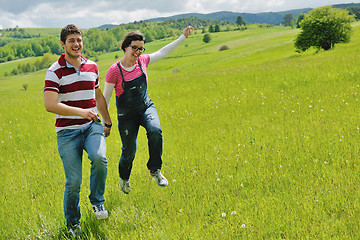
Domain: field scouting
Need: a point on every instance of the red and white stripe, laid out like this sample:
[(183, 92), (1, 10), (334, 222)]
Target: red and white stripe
[(75, 89)]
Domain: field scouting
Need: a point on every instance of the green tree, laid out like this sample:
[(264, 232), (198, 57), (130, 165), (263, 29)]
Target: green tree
[(149, 37), (211, 29), (323, 28), (207, 38), (354, 11), (240, 21), (288, 20), (299, 19), (217, 28)]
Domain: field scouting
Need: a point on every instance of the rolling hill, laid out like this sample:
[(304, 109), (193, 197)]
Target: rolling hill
[(274, 18)]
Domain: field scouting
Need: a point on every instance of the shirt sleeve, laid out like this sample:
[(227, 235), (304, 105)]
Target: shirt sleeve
[(145, 60), (97, 82), (113, 74), (51, 81)]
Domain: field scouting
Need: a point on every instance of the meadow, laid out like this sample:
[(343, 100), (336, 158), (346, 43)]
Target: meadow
[(260, 142)]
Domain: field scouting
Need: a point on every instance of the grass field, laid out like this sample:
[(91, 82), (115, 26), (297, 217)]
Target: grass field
[(259, 143)]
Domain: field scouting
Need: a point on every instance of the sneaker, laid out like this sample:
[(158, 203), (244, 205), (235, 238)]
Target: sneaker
[(160, 179), (75, 230), (125, 186), (100, 211)]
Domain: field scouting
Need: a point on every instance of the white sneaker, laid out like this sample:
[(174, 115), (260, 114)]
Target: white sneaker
[(160, 179), (100, 211), (75, 230), (125, 186)]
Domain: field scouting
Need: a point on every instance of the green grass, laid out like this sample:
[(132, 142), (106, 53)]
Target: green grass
[(259, 143)]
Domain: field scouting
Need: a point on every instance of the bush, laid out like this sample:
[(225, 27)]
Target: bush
[(207, 38), (224, 47)]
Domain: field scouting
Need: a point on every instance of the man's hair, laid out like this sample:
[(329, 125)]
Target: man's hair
[(132, 36), (69, 29)]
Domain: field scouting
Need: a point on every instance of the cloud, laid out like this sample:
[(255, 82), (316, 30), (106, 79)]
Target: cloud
[(94, 13)]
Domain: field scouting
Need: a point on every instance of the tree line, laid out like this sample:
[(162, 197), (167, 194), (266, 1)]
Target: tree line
[(97, 40), (108, 40)]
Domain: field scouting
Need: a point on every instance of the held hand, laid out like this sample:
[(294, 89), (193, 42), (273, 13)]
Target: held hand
[(106, 131), (187, 31)]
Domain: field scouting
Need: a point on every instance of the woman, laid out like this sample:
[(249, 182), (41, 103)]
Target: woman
[(134, 108)]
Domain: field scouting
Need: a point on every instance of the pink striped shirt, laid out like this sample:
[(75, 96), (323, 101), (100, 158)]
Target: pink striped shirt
[(114, 75), (75, 88)]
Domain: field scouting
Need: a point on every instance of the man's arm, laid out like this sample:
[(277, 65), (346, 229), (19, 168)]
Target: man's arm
[(52, 105), (102, 107)]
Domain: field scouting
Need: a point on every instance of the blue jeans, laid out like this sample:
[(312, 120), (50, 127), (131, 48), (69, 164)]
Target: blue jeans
[(71, 144), (129, 128)]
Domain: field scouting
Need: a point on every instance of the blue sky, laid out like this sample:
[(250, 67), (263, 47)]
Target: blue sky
[(94, 13)]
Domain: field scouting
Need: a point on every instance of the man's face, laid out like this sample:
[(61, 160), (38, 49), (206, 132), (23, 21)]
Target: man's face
[(73, 45)]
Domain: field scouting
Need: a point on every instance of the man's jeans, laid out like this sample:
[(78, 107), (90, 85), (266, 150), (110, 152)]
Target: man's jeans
[(129, 128), (71, 144)]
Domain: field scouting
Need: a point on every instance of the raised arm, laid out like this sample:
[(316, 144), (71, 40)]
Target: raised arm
[(163, 52)]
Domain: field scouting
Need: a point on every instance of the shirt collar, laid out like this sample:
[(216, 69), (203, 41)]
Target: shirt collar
[(64, 63)]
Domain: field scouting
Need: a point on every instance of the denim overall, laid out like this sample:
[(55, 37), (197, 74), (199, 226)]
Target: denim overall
[(135, 109)]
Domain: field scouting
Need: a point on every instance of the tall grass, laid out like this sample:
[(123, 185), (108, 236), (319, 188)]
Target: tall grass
[(259, 143)]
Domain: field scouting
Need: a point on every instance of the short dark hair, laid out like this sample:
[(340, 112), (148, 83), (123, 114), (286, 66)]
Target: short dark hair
[(132, 36), (69, 29)]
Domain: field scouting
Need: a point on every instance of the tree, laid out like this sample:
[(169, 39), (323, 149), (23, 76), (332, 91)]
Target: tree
[(217, 28), (211, 29), (323, 28), (240, 21), (354, 11), (299, 19), (288, 20), (207, 38)]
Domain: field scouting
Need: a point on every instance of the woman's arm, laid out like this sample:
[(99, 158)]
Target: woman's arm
[(108, 89), (163, 52)]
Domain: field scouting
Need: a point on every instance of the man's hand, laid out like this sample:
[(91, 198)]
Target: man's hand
[(89, 114)]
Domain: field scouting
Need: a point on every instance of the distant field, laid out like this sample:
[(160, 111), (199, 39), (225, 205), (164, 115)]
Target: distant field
[(260, 142)]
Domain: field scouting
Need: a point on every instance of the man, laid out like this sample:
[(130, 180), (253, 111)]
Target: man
[(72, 92)]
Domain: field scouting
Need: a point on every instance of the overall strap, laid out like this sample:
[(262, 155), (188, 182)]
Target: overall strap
[(140, 67), (122, 75)]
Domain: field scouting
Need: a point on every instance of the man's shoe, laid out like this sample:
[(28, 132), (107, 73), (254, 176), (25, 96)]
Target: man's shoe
[(100, 211), (75, 230), (160, 179), (125, 186)]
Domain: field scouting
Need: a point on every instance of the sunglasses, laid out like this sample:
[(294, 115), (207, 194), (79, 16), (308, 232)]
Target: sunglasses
[(135, 48)]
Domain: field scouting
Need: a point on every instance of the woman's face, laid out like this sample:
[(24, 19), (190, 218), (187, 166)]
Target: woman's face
[(134, 50)]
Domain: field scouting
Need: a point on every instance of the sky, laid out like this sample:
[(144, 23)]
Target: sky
[(94, 13)]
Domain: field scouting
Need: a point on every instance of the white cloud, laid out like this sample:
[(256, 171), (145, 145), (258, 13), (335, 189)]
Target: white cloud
[(93, 13), (275, 3)]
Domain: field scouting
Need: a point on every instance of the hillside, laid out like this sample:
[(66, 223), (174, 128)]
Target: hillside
[(274, 18), (260, 142)]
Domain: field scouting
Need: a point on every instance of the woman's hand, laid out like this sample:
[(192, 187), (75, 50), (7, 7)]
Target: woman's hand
[(187, 31)]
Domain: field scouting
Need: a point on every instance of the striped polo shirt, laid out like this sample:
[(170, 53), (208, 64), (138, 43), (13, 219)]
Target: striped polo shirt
[(75, 88)]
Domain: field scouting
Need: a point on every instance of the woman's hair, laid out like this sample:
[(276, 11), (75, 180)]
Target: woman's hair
[(132, 36), (69, 29)]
